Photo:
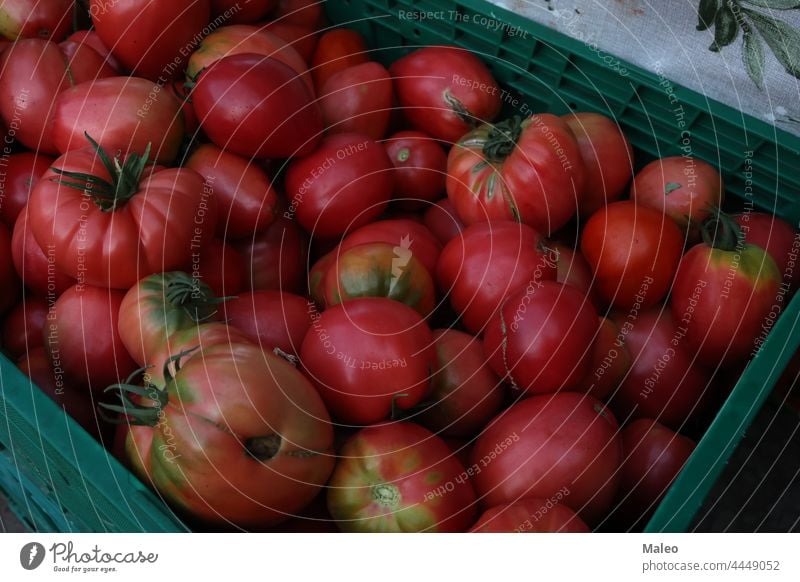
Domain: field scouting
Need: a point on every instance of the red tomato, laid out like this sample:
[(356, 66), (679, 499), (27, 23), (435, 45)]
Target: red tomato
[(237, 12), (49, 20), (541, 338), (607, 159), (663, 381), (573, 270), (344, 184), (301, 38), (525, 170), (725, 295), (10, 286), (121, 114), (776, 236), (445, 91), (358, 100), (548, 444), (256, 106), (368, 356), (400, 477), (271, 319), (82, 337), (394, 231), (304, 12), (633, 252), (92, 39), (420, 168), (654, 455), (275, 258), (465, 393), (35, 267), (32, 74), (116, 235), (487, 263), (181, 90), (20, 172), (220, 266), (246, 199), (530, 516), (686, 189), (24, 326), (611, 360), (152, 39), (336, 51), (442, 220)]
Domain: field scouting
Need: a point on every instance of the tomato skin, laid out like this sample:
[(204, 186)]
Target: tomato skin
[(32, 74), (233, 11), (607, 159), (547, 443), (92, 39), (362, 354), (336, 51), (221, 267), (710, 285), (530, 515), (663, 381), (23, 19), (633, 252), (465, 393), (573, 270), (777, 237), (420, 164), (151, 39), (246, 200), (82, 335), (301, 38), (541, 338), (22, 171), (445, 91), (539, 182), (275, 258), (244, 439), (442, 220), (24, 326), (386, 479), (36, 270), (358, 100), (611, 360), (121, 114), (256, 106), (686, 189), (10, 286), (270, 319), (303, 12), (487, 263), (345, 183)]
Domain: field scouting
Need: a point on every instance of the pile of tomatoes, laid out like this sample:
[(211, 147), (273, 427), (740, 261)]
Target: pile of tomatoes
[(294, 289)]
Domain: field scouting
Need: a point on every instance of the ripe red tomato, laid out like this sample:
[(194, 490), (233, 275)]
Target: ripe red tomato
[(400, 477), (220, 266), (92, 39), (82, 337), (239, 436), (301, 38), (24, 326), (611, 360), (776, 236), (123, 114), (607, 159), (246, 200), (48, 20), (358, 100), (10, 286), (724, 294), (663, 381), (35, 267), (368, 356), (633, 252), (487, 263), (152, 39), (686, 189), (270, 319), (21, 172), (465, 393), (344, 184), (541, 338), (116, 235), (445, 91), (233, 12), (256, 106), (275, 258), (336, 51), (530, 516), (573, 270), (547, 444), (654, 455), (526, 170), (420, 164), (442, 220), (304, 12)]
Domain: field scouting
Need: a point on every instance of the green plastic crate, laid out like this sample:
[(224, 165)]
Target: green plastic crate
[(58, 478)]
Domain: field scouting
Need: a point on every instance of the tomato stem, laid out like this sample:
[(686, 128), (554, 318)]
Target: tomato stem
[(720, 231), (502, 139), (386, 494), (192, 295), (135, 412)]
